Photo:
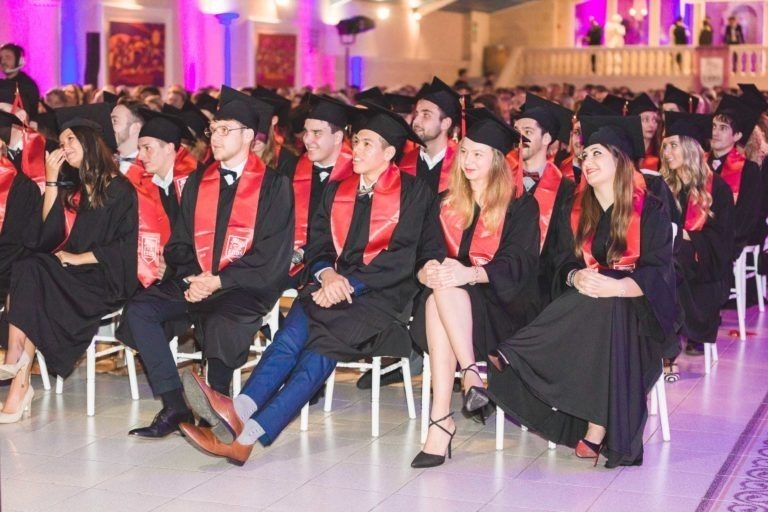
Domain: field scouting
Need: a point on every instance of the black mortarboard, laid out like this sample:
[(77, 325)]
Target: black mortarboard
[(485, 127), (205, 101), (109, 97), (297, 116), (195, 119), (562, 114), (372, 95), (694, 126), (624, 133), (46, 122), (331, 110), (442, 95), (400, 103), (616, 104), (753, 96), (7, 120), (642, 103), (7, 91), (282, 105), (743, 115), (679, 97), (94, 115), (546, 118), (263, 109), (166, 127), (591, 107), (389, 125)]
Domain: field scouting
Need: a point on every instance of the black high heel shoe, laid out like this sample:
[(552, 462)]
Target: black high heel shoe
[(430, 460), (476, 397), (498, 360)]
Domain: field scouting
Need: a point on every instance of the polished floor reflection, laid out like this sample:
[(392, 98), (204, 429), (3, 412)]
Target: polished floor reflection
[(61, 460)]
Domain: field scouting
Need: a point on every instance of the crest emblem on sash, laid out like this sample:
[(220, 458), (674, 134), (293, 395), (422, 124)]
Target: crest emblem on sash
[(235, 247), (149, 247)]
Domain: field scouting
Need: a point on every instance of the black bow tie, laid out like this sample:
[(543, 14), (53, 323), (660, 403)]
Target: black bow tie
[(126, 159), (365, 191), (226, 172)]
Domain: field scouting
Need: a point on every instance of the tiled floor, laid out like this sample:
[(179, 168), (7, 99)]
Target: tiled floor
[(61, 460)]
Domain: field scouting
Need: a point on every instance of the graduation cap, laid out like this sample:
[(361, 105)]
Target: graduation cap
[(485, 127), (7, 120), (752, 95), (591, 107), (194, 117), (616, 104), (240, 107), (205, 101), (109, 97), (46, 123), (743, 116), (561, 114), (389, 125), (297, 116), (624, 133), (166, 127), (642, 103), (372, 95), (282, 105), (442, 95), (695, 126), (679, 97), (331, 110), (399, 103), (94, 115), (264, 110), (7, 91)]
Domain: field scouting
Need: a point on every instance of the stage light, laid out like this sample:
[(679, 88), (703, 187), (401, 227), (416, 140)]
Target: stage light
[(632, 12), (416, 15), (382, 13), (282, 3)]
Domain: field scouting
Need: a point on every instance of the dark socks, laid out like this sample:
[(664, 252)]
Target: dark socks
[(174, 400), (219, 376)]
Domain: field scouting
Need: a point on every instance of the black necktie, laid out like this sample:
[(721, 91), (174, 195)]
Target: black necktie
[(226, 172), (126, 159)]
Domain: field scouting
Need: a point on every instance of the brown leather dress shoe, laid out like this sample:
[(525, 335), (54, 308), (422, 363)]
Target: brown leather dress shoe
[(218, 410), (205, 439)]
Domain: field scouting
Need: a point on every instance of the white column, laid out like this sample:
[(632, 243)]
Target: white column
[(479, 38), (654, 20), (611, 8), (698, 20)]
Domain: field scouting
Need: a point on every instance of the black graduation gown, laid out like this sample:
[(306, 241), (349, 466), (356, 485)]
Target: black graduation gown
[(29, 91), (553, 248), (594, 360), (704, 266), (20, 226), (58, 307), (746, 216), (507, 302), (286, 161), (430, 176), (374, 324), (227, 321)]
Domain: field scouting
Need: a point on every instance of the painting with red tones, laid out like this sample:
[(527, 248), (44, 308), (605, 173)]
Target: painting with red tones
[(136, 53), (276, 60)]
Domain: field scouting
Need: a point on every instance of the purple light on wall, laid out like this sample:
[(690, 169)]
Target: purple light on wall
[(582, 13), (35, 27), (307, 52), (190, 28)]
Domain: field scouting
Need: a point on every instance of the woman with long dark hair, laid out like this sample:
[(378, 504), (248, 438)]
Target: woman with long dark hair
[(704, 244), (479, 276), (580, 372), (86, 266)]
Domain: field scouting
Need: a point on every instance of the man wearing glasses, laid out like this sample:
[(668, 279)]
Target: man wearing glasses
[(227, 262)]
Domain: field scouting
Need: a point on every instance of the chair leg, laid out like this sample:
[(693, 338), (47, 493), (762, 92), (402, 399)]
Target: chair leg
[(375, 396), (59, 384), (130, 362), (499, 428), (90, 380), (551, 445), (43, 371), (654, 409), (660, 391), (237, 382), (329, 384), (707, 357), (741, 299), (714, 353), (408, 385), (426, 382), (304, 421)]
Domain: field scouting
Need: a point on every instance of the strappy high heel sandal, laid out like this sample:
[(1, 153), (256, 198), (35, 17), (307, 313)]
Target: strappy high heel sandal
[(430, 460), (588, 450), (476, 397)]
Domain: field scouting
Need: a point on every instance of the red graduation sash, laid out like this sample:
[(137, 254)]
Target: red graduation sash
[(7, 175), (650, 161), (516, 166), (566, 168), (410, 162), (385, 212), (731, 173), (184, 165), (242, 221), (632, 252), (545, 194), (70, 216), (33, 156), (484, 243), (695, 218), (302, 191)]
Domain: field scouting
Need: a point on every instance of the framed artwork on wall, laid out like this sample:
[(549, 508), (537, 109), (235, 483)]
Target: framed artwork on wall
[(136, 53), (276, 60)]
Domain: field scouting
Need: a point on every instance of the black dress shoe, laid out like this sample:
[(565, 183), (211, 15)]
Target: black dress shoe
[(166, 422), (393, 377)]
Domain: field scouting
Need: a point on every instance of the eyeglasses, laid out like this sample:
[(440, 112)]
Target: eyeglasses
[(221, 130)]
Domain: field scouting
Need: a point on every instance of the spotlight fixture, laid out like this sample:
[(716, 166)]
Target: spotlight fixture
[(383, 13)]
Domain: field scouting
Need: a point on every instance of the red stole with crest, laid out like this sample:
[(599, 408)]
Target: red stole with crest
[(731, 172), (545, 194), (33, 156), (695, 217), (7, 175), (242, 221), (302, 191), (632, 253), (70, 216), (410, 162), (385, 212), (184, 165), (484, 243)]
